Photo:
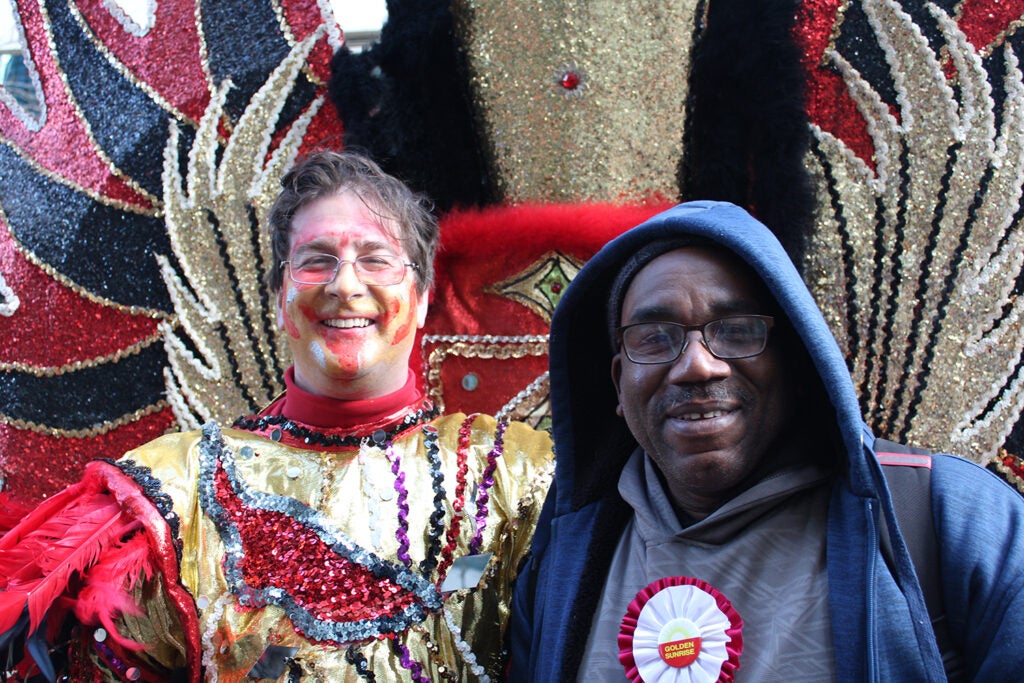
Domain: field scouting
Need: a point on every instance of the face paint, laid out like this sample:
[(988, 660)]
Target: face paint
[(350, 340), (404, 328), (318, 354), (284, 319)]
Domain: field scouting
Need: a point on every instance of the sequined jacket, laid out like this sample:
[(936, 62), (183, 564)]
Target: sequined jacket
[(880, 624), (279, 560)]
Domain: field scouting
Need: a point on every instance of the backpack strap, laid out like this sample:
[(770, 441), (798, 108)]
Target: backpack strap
[(908, 473)]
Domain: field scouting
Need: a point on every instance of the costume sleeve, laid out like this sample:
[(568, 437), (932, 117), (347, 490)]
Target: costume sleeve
[(979, 522), (84, 558)]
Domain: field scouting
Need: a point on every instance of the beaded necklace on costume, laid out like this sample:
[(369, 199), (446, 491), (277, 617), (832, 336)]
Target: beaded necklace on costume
[(299, 418)]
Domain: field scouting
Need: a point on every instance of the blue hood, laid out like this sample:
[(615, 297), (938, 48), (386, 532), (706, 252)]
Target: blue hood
[(591, 441)]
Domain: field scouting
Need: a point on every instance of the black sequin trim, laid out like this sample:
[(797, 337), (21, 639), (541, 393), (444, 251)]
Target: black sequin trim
[(252, 423), (429, 563), (151, 488), (356, 659), (294, 672)]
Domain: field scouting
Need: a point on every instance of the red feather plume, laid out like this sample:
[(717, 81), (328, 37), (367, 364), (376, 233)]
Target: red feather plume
[(80, 550)]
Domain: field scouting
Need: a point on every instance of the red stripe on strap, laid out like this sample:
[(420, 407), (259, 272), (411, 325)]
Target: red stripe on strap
[(905, 459)]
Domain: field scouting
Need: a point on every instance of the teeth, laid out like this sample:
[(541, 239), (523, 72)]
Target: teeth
[(349, 322), (703, 416)]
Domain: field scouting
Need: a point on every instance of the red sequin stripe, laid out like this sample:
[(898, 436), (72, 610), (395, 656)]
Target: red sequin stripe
[(459, 503), (31, 477), (75, 329)]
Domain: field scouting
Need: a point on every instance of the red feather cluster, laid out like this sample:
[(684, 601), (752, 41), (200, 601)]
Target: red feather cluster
[(80, 551)]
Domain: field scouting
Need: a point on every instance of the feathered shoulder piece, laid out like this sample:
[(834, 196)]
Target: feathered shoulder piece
[(80, 554)]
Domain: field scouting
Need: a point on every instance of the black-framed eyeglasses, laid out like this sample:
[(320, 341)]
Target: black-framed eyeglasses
[(730, 338), (318, 268)]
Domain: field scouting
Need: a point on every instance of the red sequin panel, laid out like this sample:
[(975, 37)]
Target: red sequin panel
[(465, 306), (303, 18), (985, 21), (38, 465), (279, 551), (829, 104), (54, 326)]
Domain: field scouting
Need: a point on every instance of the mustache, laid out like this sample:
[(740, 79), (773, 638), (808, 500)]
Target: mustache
[(711, 391)]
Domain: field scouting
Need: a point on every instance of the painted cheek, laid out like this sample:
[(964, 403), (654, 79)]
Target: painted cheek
[(318, 354), (289, 324), (403, 330)]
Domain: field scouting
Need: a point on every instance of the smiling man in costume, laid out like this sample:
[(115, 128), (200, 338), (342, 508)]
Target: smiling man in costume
[(344, 533), (719, 504)]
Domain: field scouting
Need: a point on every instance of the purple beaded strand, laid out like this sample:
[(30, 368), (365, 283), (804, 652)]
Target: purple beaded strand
[(483, 495), (402, 532), (414, 667)]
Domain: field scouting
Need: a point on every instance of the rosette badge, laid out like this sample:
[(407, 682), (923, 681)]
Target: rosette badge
[(680, 630)]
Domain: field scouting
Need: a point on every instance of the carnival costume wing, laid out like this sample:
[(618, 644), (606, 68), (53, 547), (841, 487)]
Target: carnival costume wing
[(226, 356), (93, 342), (917, 254)]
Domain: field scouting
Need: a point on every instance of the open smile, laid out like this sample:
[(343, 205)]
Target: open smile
[(702, 416), (347, 323)]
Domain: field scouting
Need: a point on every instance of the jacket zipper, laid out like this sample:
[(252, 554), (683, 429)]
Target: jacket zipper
[(870, 593)]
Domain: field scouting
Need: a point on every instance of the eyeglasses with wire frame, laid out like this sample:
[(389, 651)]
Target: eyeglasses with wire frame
[(318, 268), (730, 338)]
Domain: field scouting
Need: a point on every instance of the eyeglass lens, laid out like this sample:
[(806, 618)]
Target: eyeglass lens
[(728, 338), (318, 268)]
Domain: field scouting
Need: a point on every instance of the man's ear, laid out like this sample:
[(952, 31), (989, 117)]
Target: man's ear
[(422, 304), (616, 377)]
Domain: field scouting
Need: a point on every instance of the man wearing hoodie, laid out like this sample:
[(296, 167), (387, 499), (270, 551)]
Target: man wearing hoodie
[(719, 510)]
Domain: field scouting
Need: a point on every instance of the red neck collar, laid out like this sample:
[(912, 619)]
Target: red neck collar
[(348, 415)]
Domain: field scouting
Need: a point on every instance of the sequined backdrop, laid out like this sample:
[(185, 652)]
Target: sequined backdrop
[(881, 139)]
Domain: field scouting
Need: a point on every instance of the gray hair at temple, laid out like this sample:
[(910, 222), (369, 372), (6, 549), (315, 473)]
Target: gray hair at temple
[(324, 174)]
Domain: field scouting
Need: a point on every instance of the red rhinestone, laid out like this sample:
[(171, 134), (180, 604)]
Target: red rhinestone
[(570, 80)]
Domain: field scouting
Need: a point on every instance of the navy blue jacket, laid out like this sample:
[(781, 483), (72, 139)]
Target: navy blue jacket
[(881, 629)]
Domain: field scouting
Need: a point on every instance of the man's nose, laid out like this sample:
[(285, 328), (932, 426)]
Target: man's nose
[(696, 363), (346, 282)]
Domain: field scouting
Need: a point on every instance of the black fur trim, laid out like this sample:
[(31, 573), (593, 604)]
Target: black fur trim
[(747, 131), (406, 102)]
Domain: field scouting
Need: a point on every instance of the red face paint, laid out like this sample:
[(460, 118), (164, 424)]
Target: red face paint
[(350, 340)]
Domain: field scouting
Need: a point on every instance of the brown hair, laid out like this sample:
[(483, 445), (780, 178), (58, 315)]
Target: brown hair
[(323, 174)]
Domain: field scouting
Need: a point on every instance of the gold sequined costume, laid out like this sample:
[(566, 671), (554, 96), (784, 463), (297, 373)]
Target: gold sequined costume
[(312, 554)]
